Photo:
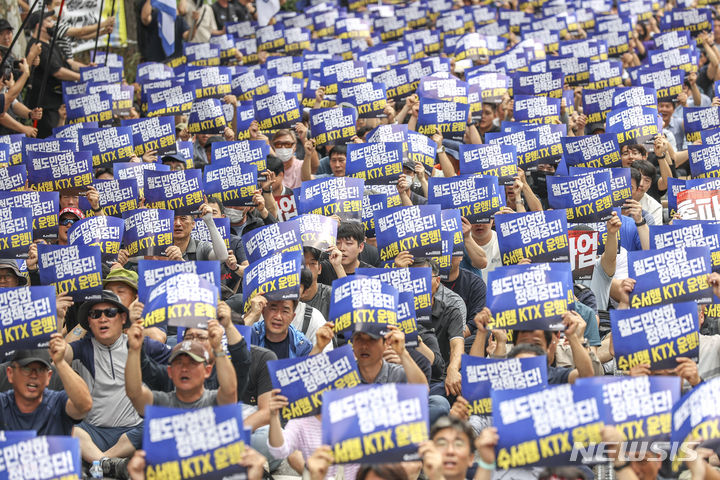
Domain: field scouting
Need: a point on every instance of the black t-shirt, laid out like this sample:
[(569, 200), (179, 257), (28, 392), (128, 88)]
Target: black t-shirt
[(231, 13), (472, 290), (259, 378), (281, 349), (52, 96), (149, 43)]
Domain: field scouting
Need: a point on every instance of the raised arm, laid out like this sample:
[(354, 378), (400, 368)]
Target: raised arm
[(139, 394), (79, 400), (227, 393)]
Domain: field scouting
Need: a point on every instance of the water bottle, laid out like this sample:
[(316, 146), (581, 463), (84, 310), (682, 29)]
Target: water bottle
[(96, 470)]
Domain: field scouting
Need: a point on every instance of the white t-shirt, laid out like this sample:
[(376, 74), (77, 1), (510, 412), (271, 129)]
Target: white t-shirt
[(492, 252)]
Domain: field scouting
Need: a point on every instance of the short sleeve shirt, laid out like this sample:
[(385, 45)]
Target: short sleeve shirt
[(50, 418), (169, 399)]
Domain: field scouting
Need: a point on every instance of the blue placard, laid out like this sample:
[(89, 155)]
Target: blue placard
[(587, 198), (96, 107), (597, 104), (352, 420), (277, 277), (633, 125), (421, 149), (317, 231), (619, 182), (41, 458), (181, 191), (153, 272), (47, 145), (101, 74), (594, 151), (440, 116), (696, 119), (174, 100), (545, 84), (496, 160), (179, 440), (334, 72), (209, 81), (675, 186), (572, 412), (362, 304), (688, 233), (273, 238), (244, 117), (704, 160), (148, 231), (530, 297), (13, 178), (15, 142), (44, 206), (116, 197), (697, 414), (540, 236), (526, 143), (16, 231), (656, 335), (407, 319), (207, 117), (28, 317), (253, 152), (332, 125), (372, 203), (250, 83), (59, 171), (670, 275), (232, 183), (536, 109), (453, 242), (415, 229), (277, 110), (340, 196), (101, 231), (630, 412), (481, 376), (416, 281), (184, 299), (304, 380), (477, 198), (626, 97), (201, 232), (376, 163), (107, 145), (369, 98), (73, 269), (157, 133)]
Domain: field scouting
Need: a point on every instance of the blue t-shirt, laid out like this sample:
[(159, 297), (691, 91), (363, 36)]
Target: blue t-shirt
[(49, 418)]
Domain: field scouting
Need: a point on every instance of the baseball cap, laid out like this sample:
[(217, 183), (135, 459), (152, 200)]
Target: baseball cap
[(192, 349), (10, 264), (73, 210), (122, 275), (373, 330), (174, 157), (26, 357), (5, 25), (107, 297), (452, 148)]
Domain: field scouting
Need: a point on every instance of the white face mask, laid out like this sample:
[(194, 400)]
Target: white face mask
[(284, 154)]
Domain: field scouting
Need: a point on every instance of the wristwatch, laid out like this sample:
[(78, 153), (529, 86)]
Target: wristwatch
[(640, 224), (440, 149), (269, 190)]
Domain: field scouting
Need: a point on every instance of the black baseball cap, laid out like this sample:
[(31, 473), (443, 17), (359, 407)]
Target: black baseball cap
[(5, 25), (26, 357)]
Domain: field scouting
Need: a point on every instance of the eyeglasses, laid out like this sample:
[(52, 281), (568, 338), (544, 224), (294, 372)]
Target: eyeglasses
[(108, 312), (66, 222), (283, 144), (457, 444), (199, 338), (31, 370)]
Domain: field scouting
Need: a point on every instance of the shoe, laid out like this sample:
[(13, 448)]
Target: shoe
[(115, 467)]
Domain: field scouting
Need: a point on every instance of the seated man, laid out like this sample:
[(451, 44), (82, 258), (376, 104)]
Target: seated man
[(188, 369), (112, 430), (30, 405)]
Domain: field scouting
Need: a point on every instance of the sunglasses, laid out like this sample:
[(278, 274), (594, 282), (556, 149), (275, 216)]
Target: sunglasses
[(66, 222), (108, 312)]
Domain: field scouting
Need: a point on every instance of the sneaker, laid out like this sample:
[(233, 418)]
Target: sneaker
[(115, 467)]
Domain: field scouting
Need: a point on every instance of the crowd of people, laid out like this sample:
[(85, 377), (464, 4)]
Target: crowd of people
[(106, 365)]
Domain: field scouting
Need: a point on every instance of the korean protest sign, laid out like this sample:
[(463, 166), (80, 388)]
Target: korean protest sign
[(41, 458), (655, 335), (317, 231), (16, 231), (688, 233), (584, 245), (669, 275), (232, 183), (356, 420), (699, 205), (340, 196), (415, 229), (640, 407), (586, 198), (478, 198), (416, 280), (102, 231), (207, 442), (497, 160), (277, 277), (44, 206), (157, 133), (73, 269), (360, 303), (440, 116), (148, 231), (252, 152), (206, 116), (376, 163), (480, 376), (28, 317), (107, 145), (184, 299), (59, 171), (595, 151), (561, 416), (181, 191), (153, 272), (530, 297), (697, 414), (332, 125), (116, 196), (540, 236), (304, 380), (270, 239)]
